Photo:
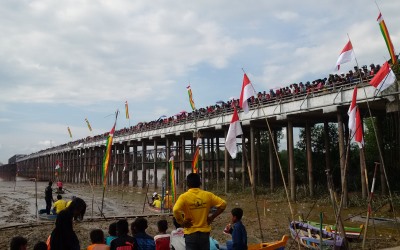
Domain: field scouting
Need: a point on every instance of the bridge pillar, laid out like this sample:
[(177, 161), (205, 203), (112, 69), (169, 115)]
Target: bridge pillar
[(243, 163), (342, 151), (258, 152), (226, 165), (212, 162), (327, 147), (292, 179), (217, 160), (126, 168), (144, 182), (271, 161), (309, 159), (135, 166), (168, 155), (155, 177), (203, 162), (182, 163), (252, 156)]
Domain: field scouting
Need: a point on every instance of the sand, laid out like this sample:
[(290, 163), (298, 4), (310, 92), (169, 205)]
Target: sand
[(18, 214)]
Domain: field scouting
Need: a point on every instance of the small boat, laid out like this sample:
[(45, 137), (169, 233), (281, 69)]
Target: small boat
[(351, 232), (44, 216), (310, 236), (276, 245)]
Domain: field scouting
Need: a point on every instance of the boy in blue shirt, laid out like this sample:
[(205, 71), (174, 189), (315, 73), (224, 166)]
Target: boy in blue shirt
[(237, 230)]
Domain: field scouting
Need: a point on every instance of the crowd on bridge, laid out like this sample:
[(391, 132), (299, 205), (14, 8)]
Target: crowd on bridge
[(287, 93)]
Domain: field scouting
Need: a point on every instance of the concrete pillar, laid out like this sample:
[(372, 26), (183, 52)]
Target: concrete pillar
[(291, 161), (342, 152), (135, 166), (226, 166), (258, 152), (144, 181), (127, 164), (217, 161), (155, 165), (309, 159), (203, 162), (253, 176), (271, 157)]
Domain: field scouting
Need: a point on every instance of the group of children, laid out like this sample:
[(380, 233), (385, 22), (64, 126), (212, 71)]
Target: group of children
[(119, 238)]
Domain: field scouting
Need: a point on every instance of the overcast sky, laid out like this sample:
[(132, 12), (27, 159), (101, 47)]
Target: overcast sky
[(64, 61)]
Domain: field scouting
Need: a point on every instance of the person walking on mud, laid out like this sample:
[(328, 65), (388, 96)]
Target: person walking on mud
[(48, 196), (192, 210)]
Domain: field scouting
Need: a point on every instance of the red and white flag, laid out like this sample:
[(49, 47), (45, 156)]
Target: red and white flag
[(235, 129), (346, 55), (359, 138), (352, 113), (247, 92), (384, 78)]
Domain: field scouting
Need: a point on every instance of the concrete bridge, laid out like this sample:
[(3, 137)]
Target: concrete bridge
[(139, 156)]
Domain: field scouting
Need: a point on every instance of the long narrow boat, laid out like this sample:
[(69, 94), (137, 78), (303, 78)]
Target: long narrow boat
[(276, 245), (310, 236), (351, 232)]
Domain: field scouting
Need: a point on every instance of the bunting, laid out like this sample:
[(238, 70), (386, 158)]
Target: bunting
[(107, 155), (386, 37), (126, 110), (172, 179), (191, 97), (88, 125), (69, 132)]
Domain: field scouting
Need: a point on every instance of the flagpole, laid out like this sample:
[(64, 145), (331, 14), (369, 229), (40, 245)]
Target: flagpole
[(379, 147)]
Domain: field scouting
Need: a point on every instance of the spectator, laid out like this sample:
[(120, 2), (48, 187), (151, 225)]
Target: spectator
[(98, 241), (123, 239), (18, 243), (112, 231), (41, 245), (162, 239), (195, 205), (63, 236), (142, 240)]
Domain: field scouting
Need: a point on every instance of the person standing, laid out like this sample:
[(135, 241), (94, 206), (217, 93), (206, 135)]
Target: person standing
[(48, 196), (192, 209)]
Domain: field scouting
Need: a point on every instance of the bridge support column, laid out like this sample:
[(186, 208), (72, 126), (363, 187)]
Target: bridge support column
[(327, 147), (309, 159), (252, 156), (258, 152), (271, 157), (135, 166), (226, 165), (291, 161), (168, 155), (127, 164), (144, 182), (155, 177), (379, 125), (342, 150), (203, 162), (182, 164), (217, 160), (243, 163)]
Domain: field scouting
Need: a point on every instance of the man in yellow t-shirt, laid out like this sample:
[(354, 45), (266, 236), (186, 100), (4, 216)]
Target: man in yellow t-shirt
[(156, 203), (192, 211), (60, 204), (168, 201)]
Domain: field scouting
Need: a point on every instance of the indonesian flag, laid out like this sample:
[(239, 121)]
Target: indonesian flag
[(58, 165), (359, 130), (346, 55), (352, 113), (235, 129), (384, 78), (247, 92)]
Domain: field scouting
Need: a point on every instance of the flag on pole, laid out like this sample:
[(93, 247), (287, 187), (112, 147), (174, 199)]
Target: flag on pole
[(172, 178), (386, 37), (195, 163), (359, 138), (247, 92), (191, 97), (107, 155), (235, 129), (126, 110), (58, 166), (88, 125), (352, 113), (346, 55), (384, 78), (69, 132)]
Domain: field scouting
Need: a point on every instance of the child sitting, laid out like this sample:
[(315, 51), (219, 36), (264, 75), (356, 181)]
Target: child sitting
[(18, 243), (238, 231), (112, 231), (98, 242), (162, 239)]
